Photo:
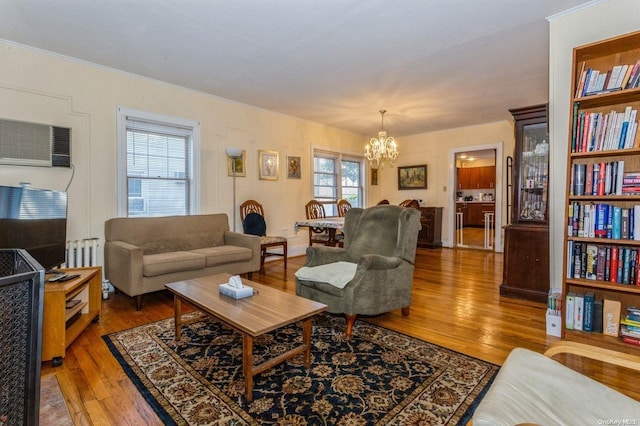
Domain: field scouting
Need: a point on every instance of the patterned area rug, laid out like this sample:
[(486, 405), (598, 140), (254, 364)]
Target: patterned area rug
[(376, 377)]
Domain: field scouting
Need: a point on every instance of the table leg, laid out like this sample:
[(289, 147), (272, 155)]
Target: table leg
[(247, 365), (306, 340), (177, 308), (332, 237)]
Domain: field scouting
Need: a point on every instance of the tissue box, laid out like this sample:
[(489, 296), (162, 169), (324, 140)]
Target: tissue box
[(236, 293)]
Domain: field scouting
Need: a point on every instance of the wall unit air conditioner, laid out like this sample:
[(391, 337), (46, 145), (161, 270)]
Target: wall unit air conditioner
[(32, 144)]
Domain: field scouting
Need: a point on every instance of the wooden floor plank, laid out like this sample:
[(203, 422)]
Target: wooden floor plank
[(456, 304)]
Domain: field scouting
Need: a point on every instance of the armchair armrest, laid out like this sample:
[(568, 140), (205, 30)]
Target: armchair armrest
[(378, 262), (123, 266), (320, 255), (599, 354)]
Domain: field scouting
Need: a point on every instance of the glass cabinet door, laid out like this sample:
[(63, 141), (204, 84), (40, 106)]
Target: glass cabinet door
[(534, 173), (531, 166)]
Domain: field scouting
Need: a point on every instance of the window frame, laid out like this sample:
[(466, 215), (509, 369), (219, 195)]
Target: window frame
[(123, 114), (339, 157)]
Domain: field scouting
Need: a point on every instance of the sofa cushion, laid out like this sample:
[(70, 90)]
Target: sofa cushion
[(224, 254), (531, 388), (191, 241), (165, 263)]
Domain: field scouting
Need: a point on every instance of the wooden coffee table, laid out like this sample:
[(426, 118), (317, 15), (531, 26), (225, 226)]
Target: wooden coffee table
[(267, 310)]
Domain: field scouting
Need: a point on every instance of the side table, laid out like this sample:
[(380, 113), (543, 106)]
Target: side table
[(61, 324)]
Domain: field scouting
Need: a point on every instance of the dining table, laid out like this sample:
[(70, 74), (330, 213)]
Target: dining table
[(331, 224)]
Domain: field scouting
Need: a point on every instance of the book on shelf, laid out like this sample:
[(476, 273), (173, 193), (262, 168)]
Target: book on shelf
[(603, 262), (569, 310), (591, 266), (590, 174), (634, 77), (554, 302), (578, 311), (597, 82), (597, 315), (631, 340), (603, 220), (580, 85), (611, 317), (588, 300), (633, 313), (598, 131), (579, 177)]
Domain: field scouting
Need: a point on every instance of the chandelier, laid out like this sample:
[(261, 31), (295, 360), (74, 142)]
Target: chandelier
[(383, 149)]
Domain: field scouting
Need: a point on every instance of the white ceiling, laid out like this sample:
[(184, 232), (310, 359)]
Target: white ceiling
[(432, 64)]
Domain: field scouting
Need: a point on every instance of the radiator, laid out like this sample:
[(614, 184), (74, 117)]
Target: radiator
[(82, 253)]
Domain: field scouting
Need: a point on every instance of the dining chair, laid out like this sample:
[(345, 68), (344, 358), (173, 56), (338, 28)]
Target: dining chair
[(315, 210), (343, 207), (381, 202), (410, 203), (252, 217)]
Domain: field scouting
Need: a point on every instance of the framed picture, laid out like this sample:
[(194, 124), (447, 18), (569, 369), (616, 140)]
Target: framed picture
[(241, 165), (412, 177), (374, 176), (293, 167), (268, 165)]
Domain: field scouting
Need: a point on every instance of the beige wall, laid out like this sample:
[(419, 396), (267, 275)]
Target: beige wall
[(44, 88), (435, 150), (596, 22)]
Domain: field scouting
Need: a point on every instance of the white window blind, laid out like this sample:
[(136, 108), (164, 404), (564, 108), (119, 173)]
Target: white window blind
[(158, 175)]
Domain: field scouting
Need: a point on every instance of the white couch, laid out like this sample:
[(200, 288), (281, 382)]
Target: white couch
[(532, 388)]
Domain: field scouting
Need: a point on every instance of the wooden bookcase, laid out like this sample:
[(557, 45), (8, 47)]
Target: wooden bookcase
[(61, 325), (602, 56)]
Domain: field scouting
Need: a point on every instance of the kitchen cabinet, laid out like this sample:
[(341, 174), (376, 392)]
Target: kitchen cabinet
[(473, 212), (476, 177), (476, 212)]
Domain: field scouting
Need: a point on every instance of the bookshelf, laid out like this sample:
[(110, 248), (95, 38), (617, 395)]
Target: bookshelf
[(601, 204)]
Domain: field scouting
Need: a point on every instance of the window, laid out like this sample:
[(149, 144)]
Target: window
[(157, 168), (337, 176)]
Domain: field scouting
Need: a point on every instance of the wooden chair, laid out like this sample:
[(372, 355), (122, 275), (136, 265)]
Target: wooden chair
[(383, 202), (410, 203), (315, 210), (266, 241), (343, 207)]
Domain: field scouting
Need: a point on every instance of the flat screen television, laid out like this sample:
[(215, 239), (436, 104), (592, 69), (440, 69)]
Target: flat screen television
[(34, 220)]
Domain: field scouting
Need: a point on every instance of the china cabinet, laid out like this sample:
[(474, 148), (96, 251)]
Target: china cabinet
[(526, 251)]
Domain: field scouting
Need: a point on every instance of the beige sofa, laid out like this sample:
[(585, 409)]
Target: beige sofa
[(143, 254)]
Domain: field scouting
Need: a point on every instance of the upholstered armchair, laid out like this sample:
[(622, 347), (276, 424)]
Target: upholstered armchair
[(373, 272)]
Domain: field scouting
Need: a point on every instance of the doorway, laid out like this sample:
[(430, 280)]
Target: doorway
[(476, 178)]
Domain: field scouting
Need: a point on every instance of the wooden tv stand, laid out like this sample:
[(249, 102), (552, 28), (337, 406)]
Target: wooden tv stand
[(61, 325)]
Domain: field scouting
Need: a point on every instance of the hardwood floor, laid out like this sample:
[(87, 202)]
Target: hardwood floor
[(456, 304)]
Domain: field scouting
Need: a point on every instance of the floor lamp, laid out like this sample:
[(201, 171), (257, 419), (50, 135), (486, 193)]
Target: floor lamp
[(234, 154)]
